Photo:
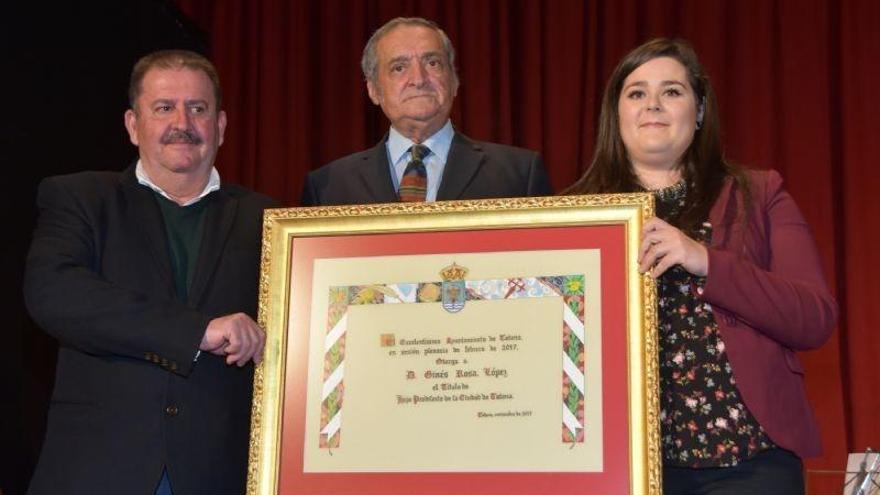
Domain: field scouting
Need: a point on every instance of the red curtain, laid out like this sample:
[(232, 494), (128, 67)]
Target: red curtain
[(796, 82)]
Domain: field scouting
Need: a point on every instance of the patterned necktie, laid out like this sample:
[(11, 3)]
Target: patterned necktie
[(414, 183)]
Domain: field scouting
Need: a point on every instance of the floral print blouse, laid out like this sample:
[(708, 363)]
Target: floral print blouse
[(703, 420)]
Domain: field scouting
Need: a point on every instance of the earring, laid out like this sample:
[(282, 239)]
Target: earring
[(700, 112)]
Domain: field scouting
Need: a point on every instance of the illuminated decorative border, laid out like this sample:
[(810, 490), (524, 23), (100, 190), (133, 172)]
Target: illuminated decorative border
[(569, 287)]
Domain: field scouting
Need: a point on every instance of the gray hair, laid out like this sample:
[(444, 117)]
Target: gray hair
[(370, 59)]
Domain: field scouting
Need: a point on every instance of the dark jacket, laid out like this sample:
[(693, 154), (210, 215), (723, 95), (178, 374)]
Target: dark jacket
[(474, 170), (129, 397)]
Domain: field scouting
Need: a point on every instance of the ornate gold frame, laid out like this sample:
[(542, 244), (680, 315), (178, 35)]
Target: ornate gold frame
[(282, 225)]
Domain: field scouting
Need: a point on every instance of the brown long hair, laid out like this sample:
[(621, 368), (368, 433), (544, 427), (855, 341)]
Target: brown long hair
[(703, 164)]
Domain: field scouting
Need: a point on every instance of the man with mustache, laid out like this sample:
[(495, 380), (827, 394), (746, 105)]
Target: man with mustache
[(148, 279), (409, 67)]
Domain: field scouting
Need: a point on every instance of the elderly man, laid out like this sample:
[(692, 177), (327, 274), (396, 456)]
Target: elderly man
[(148, 279), (409, 66)]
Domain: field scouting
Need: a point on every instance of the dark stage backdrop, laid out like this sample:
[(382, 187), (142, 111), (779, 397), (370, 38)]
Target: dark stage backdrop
[(796, 82), (64, 79)]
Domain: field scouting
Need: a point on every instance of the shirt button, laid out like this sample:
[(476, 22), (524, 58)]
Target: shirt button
[(171, 410)]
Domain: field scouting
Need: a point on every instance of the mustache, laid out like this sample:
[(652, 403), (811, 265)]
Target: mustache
[(181, 136)]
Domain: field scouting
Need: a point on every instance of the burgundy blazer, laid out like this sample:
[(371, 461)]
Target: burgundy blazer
[(766, 287)]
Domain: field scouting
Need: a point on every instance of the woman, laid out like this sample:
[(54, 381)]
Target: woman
[(740, 284)]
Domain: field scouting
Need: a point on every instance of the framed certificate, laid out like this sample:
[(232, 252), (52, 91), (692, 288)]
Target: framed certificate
[(490, 346)]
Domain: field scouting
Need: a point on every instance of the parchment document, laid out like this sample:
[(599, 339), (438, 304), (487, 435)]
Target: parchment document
[(406, 374)]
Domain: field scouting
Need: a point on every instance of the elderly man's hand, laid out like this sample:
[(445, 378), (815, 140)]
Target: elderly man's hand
[(235, 336)]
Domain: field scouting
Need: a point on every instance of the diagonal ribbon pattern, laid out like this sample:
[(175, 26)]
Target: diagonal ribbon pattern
[(569, 287)]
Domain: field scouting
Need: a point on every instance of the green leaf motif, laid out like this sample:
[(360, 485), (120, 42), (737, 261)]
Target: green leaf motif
[(334, 357), (574, 348), (574, 396), (332, 405)]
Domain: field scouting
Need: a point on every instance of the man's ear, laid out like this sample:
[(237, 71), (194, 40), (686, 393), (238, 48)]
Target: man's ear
[(221, 126), (131, 126), (373, 91)]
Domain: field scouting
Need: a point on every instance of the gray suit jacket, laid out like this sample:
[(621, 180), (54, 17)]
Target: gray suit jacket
[(474, 170)]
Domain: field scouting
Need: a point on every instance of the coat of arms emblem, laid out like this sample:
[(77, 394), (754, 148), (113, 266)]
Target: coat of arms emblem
[(453, 290)]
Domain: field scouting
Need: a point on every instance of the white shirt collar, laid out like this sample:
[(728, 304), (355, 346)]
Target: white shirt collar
[(212, 185)]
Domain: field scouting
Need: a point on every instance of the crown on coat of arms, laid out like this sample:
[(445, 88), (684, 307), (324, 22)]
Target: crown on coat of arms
[(453, 272)]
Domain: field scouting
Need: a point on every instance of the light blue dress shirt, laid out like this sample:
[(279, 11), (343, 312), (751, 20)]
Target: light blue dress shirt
[(398, 156)]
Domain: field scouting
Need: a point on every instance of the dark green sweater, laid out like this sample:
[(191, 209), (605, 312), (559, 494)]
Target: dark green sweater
[(183, 227)]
